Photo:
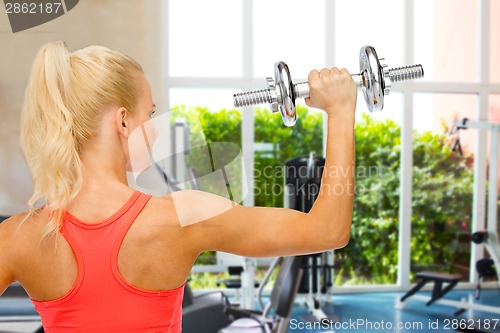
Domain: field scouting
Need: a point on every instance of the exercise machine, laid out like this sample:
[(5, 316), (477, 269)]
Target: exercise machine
[(487, 267), (443, 283), (204, 313), (281, 301), (488, 237), (241, 278), (374, 79)]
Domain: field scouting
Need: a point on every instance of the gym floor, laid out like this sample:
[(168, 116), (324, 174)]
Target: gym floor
[(360, 313), (376, 312)]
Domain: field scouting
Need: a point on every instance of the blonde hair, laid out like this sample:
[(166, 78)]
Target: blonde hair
[(61, 112)]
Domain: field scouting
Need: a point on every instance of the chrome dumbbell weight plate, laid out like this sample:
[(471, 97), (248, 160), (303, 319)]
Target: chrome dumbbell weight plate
[(285, 94), (372, 74)]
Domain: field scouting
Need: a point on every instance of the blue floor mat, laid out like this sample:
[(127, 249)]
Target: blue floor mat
[(376, 312)]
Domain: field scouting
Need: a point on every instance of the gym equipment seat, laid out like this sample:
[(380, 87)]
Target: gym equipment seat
[(438, 291)]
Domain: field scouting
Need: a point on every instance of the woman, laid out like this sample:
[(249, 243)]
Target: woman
[(124, 256)]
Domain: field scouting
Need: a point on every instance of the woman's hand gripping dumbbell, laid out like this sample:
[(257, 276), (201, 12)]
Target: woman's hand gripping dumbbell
[(374, 79)]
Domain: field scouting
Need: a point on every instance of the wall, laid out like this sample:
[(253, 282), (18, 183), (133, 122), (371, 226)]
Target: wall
[(132, 27)]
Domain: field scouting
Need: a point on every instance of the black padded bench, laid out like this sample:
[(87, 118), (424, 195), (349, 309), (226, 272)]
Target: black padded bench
[(438, 278)]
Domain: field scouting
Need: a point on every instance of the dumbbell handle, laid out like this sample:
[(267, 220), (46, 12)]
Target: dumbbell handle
[(302, 88)]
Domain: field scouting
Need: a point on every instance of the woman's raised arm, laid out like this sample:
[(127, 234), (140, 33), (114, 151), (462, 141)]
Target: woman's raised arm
[(215, 223)]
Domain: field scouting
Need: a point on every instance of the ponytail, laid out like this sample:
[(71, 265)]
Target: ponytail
[(61, 112)]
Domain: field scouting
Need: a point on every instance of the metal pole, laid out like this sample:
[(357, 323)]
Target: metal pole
[(493, 184)]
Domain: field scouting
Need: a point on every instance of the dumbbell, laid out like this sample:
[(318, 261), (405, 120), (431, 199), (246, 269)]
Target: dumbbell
[(375, 81)]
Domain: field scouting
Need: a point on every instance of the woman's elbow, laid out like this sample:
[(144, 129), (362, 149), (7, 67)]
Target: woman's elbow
[(342, 242), (339, 240), (334, 232), (328, 242)]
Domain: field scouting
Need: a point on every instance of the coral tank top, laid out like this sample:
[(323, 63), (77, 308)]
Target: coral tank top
[(101, 301)]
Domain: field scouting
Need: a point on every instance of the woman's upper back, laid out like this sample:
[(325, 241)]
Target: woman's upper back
[(153, 244), (153, 255), (150, 255)]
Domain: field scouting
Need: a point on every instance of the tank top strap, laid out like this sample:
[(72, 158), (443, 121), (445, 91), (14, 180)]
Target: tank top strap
[(128, 219), (131, 214)]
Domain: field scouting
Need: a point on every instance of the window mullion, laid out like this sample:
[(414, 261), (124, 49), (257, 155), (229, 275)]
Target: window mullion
[(406, 174), (248, 132)]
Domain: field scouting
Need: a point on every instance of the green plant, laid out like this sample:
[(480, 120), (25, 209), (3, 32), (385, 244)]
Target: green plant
[(441, 206)]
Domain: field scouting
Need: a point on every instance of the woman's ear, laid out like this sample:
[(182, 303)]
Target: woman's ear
[(122, 121)]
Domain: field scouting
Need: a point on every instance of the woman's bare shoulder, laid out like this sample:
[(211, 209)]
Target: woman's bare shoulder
[(21, 225), (169, 206), (192, 206), (160, 211), (15, 222), (14, 237), (191, 198)]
